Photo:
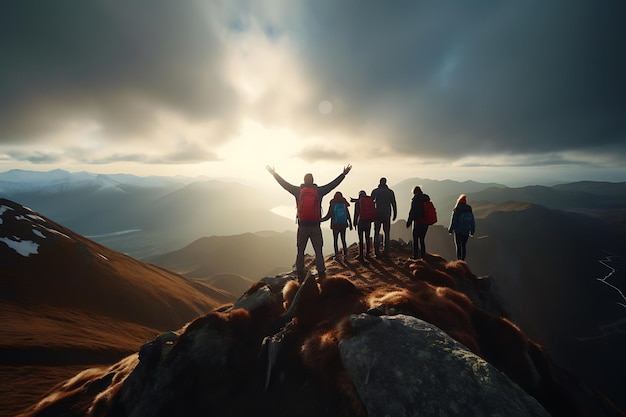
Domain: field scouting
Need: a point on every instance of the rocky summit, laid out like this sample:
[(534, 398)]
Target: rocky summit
[(392, 337)]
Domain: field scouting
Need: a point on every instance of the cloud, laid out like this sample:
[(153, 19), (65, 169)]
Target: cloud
[(117, 64), (430, 80), (457, 78), (35, 157)]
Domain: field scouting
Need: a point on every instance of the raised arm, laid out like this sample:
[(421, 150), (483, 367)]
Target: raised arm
[(325, 189), (292, 189)]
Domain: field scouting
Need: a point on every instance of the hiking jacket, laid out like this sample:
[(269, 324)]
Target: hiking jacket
[(416, 213), (331, 212), (357, 212), (458, 226), (385, 201), (321, 191)]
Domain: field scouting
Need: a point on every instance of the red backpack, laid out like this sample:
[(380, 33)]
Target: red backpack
[(367, 209), (430, 213), (309, 209)]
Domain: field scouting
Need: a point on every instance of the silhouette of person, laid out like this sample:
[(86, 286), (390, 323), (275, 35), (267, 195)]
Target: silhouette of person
[(417, 219), (463, 225), (309, 230), (385, 200), (364, 228), (339, 226)]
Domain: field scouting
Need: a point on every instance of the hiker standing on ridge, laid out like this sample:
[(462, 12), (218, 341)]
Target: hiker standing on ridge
[(339, 220), (417, 217), (385, 200), (309, 204), (463, 225), (364, 215)]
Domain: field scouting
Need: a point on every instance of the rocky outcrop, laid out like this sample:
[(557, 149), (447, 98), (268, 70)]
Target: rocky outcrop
[(403, 366)]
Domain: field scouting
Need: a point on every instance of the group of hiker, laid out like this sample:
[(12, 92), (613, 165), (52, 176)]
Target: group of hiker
[(378, 208)]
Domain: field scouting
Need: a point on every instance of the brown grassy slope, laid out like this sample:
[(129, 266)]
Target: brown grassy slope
[(77, 302)]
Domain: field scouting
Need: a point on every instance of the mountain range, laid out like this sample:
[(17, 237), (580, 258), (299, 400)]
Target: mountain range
[(144, 216), (553, 255), (148, 216)]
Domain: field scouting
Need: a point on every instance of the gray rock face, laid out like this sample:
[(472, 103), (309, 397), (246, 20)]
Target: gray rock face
[(403, 366)]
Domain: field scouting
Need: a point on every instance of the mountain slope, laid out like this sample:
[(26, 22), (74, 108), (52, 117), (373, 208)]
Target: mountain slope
[(375, 338), (67, 301), (263, 253), (45, 263), (52, 275)]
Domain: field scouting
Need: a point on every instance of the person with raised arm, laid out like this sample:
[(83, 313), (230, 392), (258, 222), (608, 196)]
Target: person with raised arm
[(308, 197)]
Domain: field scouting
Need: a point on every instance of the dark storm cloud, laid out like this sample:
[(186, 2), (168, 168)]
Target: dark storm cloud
[(454, 78), (442, 79), (116, 63)]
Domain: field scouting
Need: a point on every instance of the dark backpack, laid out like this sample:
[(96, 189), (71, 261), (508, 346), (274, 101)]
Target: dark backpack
[(430, 213), (367, 209), (309, 205), (464, 226), (340, 214)]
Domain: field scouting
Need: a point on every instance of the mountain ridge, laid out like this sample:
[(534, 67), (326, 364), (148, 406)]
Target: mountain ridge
[(289, 348)]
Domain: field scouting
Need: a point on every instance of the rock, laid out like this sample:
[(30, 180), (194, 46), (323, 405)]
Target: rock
[(403, 366)]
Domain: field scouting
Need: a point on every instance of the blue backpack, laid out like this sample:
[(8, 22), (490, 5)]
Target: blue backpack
[(340, 215)]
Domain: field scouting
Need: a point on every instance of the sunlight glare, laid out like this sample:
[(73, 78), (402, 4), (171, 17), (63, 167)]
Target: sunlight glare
[(258, 145)]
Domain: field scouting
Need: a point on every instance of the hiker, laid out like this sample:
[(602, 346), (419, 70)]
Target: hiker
[(417, 217), (385, 200), (463, 225), (364, 215), (309, 203), (340, 220)]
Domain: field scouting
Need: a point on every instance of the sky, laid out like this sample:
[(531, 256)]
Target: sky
[(500, 91)]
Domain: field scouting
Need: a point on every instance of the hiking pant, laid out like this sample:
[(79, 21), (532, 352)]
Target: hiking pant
[(340, 232), (385, 221), (364, 230), (460, 241), (313, 232), (419, 238)]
